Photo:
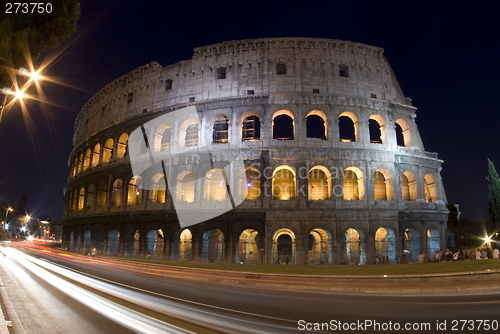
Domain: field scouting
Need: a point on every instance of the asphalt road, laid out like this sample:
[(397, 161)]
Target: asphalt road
[(202, 307)]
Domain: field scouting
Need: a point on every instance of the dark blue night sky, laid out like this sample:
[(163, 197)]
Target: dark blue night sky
[(446, 59)]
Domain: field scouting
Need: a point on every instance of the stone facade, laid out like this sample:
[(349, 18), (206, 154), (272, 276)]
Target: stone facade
[(329, 113)]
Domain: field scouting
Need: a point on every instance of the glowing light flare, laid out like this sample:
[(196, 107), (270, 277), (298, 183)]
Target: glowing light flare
[(487, 240)]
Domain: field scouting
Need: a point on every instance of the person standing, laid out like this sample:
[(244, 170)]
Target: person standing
[(478, 254), (496, 253)]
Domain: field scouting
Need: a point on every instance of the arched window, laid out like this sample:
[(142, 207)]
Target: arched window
[(348, 127), (403, 135), (107, 152), (319, 184), (353, 183), (376, 125), (250, 128), (316, 125), (189, 133), (163, 137), (117, 193), (121, 147), (81, 199), (430, 188), (215, 185), (75, 163), (284, 183), (86, 160), (249, 187), (185, 187), (80, 163), (409, 186), (383, 186), (220, 130), (90, 197), (134, 194), (75, 200), (157, 189), (102, 191), (95, 155), (283, 125)]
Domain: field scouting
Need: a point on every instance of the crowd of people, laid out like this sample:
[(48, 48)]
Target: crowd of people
[(459, 255)]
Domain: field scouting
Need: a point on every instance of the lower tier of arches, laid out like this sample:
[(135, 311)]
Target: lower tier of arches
[(261, 238)]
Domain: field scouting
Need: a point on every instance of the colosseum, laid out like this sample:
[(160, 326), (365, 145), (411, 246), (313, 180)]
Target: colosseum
[(333, 169)]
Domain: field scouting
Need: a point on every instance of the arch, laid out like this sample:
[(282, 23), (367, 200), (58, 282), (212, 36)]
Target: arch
[(183, 245), (132, 243), (433, 241), (134, 193), (117, 193), (95, 155), (215, 185), (87, 237), (412, 245), (353, 183), (102, 191), (80, 163), (220, 129), (283, 125), (157, 189), (90, 197), (376, 125), (250, 126), (283, 183), (319, 184), (383, 186), (284, 246), (316, 125), (348, 127), (155, 244), (213, 246), (409, 186), (385, 245), (113, 242), (122, 146), (247, 248), (74, 165), (81, 199), (188, 133), (75, 200), (249, 185), (430, 188), (107, 151), (354, 251), (185, 187), (320, 246), (163, 137), (403, 133), (99, 241), (86, 160)]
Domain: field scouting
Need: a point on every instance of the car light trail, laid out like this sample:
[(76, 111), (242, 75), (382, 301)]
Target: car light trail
[(205, 316)]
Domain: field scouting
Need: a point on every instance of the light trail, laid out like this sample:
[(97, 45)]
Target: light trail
[(197, 314)]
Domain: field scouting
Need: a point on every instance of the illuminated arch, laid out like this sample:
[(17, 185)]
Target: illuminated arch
[(283, 125), (96, 154), (320, 246), (430, 188), (154, 241), (121, 146), (220, 129), (433, 241), (376, 124), (383, 185), (409, 186), (353, 182), (134, 193), (81, 199), (319, 184), (403, 133), (86, 160), (163, 137), (107, 151), (185, 187), (215, 185), (284, 246), (80, 163), (354, 251), (385, 245), (117, 193), (213, 246), (412, 244), (247, 248), (283, 183), (189, 133), (183, 245), (157, 189), (250, 126), (249, 184), (316, 125), (102, 191), (348, 127)]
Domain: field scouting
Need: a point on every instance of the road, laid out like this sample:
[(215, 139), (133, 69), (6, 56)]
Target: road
[(111, 299)]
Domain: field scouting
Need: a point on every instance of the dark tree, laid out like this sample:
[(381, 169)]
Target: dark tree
[(24, 35), (493, 196), (21, 208)]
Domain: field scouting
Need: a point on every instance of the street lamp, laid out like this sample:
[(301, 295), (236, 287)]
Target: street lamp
[(9, 209)]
